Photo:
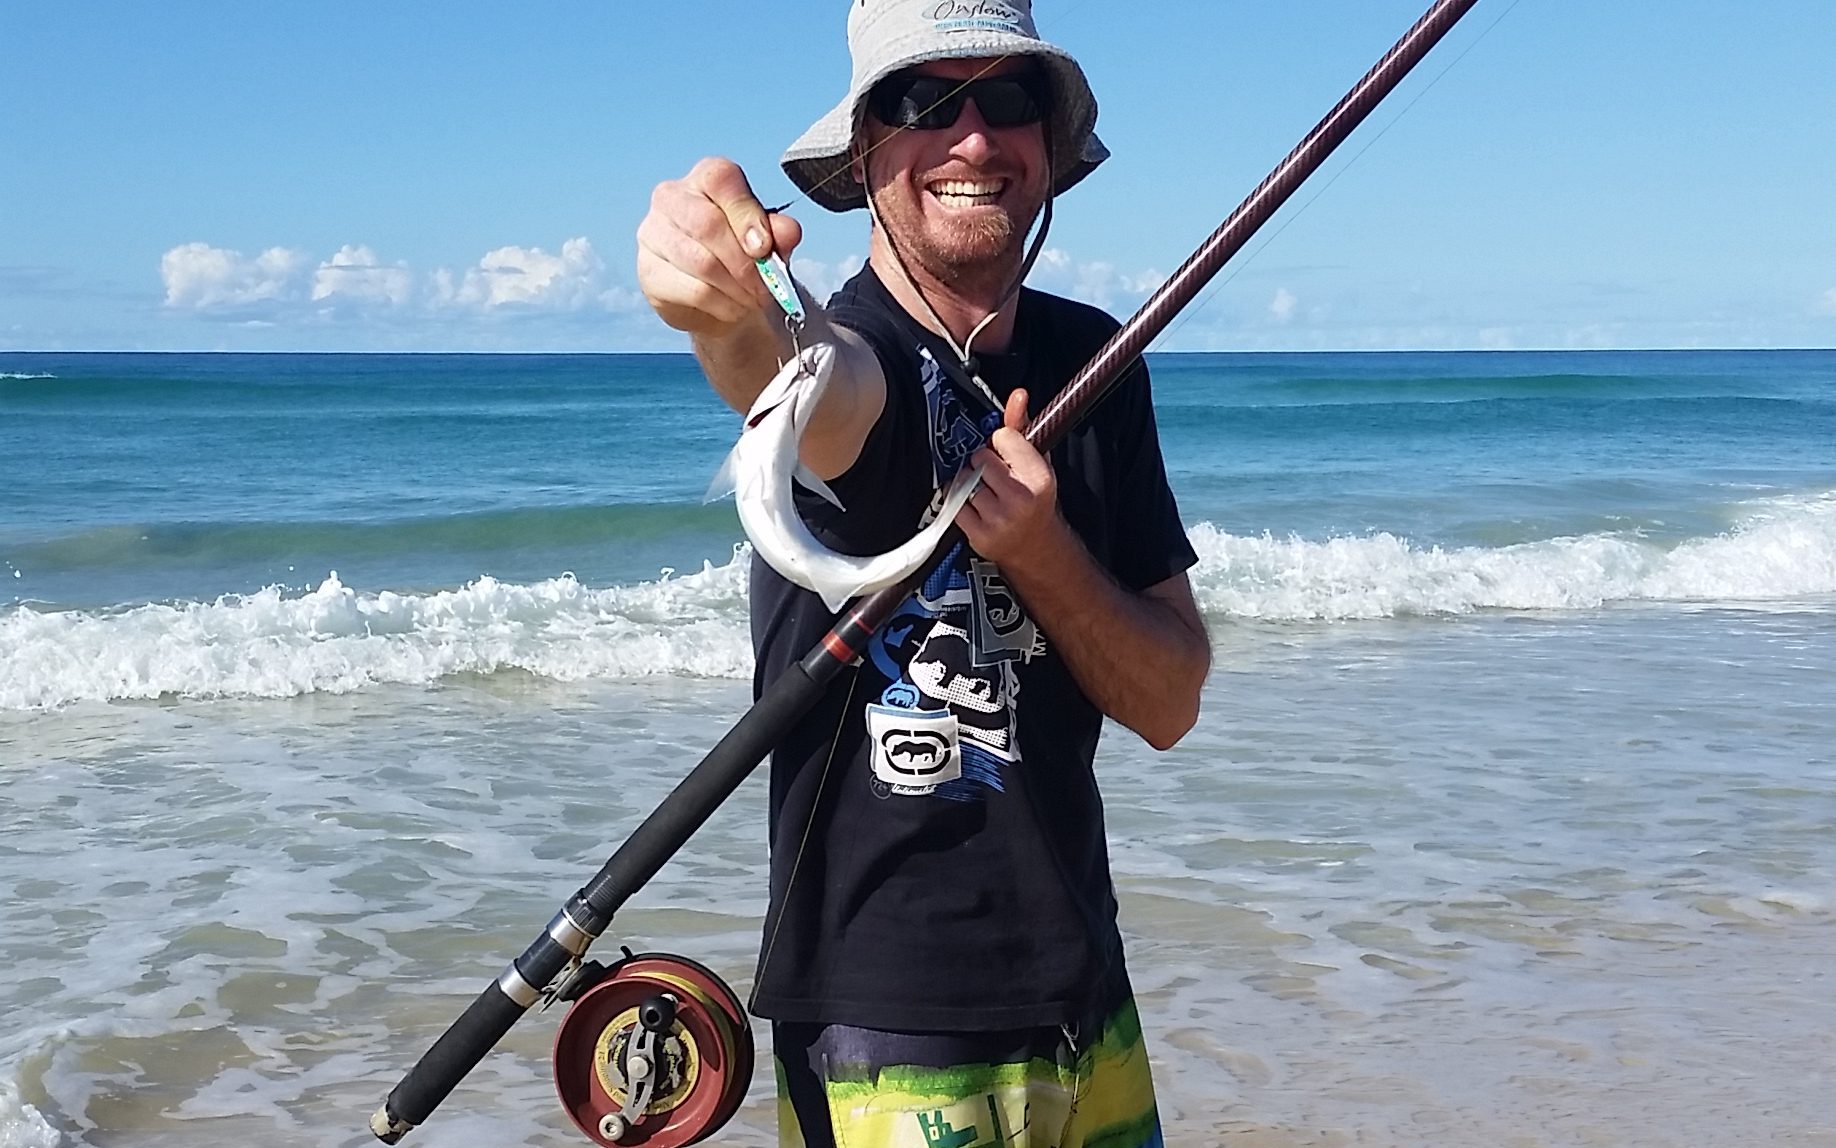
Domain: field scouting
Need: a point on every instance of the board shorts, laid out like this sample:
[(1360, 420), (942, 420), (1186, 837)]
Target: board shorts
[(842, 1087)]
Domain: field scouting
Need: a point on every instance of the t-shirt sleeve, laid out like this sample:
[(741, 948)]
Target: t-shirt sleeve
[(1150, 540)]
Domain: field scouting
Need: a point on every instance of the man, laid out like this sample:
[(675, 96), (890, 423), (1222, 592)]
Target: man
[(940, 958)]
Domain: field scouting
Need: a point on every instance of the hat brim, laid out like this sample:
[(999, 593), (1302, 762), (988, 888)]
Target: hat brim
[(819, 162)]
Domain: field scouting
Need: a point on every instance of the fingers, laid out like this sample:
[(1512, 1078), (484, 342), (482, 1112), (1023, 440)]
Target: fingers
[(786, 233), (725, 186), (684, 300), (975, 528), (1017, 503), (1014, 480), (677, 265), (717, 209), (1010, 443), (1013, 514), (1013, 463), (1013, 415), (697, 245), (1020, 459)]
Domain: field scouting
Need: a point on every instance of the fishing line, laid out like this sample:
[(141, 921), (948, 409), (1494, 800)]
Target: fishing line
[(828, 763), (822, 782), (790, 882), (806, 196), (1186, 317), (552, 966)]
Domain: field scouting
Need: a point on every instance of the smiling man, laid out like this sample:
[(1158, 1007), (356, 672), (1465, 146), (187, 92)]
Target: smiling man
[(941, 958)]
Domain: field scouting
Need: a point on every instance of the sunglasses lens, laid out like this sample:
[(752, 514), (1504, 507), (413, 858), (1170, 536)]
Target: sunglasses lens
[(1007, 103), (922, 102), (928, 103)]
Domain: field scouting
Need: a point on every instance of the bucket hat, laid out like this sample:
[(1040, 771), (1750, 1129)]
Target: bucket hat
[(885, 36)]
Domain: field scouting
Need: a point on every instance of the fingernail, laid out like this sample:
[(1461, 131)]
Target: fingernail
[(755, 241)]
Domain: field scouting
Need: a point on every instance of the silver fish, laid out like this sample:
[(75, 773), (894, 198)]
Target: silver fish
[(763, 464)]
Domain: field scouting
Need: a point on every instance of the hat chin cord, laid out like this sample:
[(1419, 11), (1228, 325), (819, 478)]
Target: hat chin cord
[(964, 350)]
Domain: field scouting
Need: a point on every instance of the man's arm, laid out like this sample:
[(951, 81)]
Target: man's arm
[(1141, 657), (695, 265)]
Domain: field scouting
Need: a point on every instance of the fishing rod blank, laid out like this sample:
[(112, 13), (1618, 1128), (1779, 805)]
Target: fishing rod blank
[(589, 911)]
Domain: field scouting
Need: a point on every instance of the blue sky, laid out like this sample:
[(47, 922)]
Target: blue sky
[(468, 176)]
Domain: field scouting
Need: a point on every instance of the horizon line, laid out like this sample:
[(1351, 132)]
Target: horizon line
[(1178, 351)]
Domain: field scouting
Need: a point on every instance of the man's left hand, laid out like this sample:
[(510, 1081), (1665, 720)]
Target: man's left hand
[(1013, 519)]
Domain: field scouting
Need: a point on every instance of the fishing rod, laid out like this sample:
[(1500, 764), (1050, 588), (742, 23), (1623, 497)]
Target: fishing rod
[(655, 1049)]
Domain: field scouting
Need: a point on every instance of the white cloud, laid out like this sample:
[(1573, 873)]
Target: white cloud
[(354, 283), (1282, 306), (825, 279), (528, 277), (207, 278), (1096, 282), (1827, 304), (355, 276)]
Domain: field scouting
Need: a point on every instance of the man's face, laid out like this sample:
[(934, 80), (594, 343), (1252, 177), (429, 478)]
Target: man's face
[(959, 200)]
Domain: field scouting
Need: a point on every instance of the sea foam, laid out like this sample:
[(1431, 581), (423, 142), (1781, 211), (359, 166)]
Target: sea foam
[(335, 638), (21, 1125), (17, 375), (1781, 550)]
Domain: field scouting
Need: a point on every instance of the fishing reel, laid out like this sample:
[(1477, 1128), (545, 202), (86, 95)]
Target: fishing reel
[(655, 1051)]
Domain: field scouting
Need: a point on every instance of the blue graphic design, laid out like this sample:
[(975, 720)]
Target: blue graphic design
[(948, 576), (892, 646), (901, 695), (953, 647), (954, 434)]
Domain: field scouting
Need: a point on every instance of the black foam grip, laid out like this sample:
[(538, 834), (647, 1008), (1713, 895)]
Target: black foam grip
[(698, 795), (457, 1052)]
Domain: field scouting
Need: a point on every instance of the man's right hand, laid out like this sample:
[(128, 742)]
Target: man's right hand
[(696, 249)]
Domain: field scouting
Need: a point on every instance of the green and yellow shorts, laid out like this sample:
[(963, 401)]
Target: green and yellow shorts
[(841, 1087)]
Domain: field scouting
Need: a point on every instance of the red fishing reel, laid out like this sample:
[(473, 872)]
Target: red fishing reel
[(657, 1053)]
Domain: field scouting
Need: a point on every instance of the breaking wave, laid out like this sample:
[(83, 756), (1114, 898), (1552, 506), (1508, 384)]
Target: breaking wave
[(334, 638), (1783, 550), (22, 1125)]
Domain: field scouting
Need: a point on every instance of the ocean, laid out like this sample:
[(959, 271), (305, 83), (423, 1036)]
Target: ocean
[(1510, 819)]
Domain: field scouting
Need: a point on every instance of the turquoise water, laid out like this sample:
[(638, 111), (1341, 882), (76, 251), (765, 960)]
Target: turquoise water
[(150, 478), (1511, 817)]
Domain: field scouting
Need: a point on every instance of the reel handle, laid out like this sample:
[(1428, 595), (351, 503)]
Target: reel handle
[(658, 1013)]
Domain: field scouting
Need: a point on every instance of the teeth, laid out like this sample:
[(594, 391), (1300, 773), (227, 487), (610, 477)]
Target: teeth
[(966, 189)]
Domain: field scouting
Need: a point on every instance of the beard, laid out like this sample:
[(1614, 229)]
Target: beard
[(973, 252), (967, 248)]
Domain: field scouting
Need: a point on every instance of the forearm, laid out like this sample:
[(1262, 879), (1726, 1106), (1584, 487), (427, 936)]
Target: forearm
[(1140, 657), (741, 359)]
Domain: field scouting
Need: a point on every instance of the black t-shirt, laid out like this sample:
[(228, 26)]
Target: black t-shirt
[(956, 874)]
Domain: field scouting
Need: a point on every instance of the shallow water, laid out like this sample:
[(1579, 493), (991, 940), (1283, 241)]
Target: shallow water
[(1507, 880), (1510, 820)]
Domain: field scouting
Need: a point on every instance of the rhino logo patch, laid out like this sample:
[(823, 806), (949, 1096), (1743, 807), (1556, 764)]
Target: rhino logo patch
[(914, 751)]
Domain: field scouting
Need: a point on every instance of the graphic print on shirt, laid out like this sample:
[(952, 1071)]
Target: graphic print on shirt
[(946, 723), (915, 751)]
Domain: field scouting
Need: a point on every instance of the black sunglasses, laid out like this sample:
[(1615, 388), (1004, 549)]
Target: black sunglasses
[(927, 103)]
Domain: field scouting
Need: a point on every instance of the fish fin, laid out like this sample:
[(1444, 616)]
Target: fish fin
[(725, 480), (808, 479)]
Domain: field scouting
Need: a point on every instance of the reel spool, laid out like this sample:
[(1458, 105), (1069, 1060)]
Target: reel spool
[(658, 1053)]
